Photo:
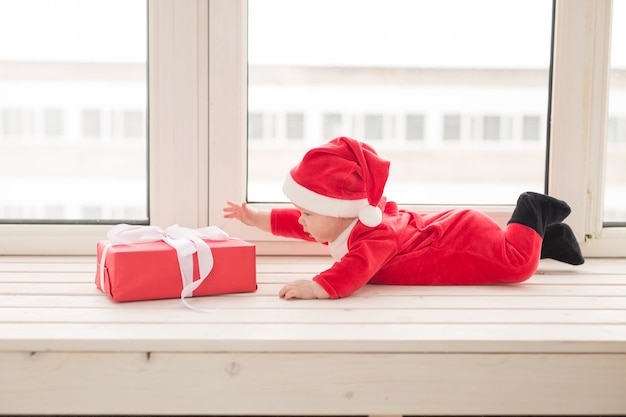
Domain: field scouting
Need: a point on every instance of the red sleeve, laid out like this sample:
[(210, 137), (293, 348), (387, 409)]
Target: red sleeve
[(368, 251), (285, 223)]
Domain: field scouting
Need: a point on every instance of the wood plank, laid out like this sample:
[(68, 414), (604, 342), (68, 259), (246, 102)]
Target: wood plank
[(308, 316), (46, 267), (327, 338), (253, 301), (569, 279), (29, 288), (311, 384), (48, 259), (596, 266), (270, 278), (525, 289), (578, 279), (89, 288), (47, 277)]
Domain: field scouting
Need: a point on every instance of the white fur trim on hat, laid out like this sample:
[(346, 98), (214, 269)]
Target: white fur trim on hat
[(321, 204), (370, 216)]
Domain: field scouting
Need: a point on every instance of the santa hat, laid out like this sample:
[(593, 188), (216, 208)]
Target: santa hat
[(343, 178)]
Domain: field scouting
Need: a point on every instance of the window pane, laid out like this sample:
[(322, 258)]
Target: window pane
[(615, 191), (451, 127), (295, 126), (73, 111), (53, 122), (255, 126), (414, 127), (332, 125), (491, 128), (531, 127), (445, 96), (373, 129), (134, 124), (12, 123), (91, 120)]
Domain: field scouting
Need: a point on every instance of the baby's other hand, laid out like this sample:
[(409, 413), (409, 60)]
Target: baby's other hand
[(303, 289)]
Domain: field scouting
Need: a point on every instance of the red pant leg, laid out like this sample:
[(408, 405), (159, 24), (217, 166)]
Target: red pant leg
[(474, 250)]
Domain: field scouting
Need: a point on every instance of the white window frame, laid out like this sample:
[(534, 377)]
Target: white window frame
[(579, 120), (198, 67)]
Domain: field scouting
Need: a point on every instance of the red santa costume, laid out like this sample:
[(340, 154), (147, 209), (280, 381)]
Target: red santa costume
[(385, 245)]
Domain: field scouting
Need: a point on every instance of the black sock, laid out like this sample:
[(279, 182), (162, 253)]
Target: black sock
[(560, 243), (538, 211)]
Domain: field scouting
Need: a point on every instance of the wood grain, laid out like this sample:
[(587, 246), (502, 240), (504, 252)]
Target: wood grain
[(553, 345)]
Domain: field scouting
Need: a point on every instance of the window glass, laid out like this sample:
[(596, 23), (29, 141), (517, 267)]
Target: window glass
[(444, 95), (332, 125), (531, 128), (73, 111), (414, 127), (11, 123), (373, 128), (255, 126), (134, 124), (451, 127), (53, 122), (615, 191), (491, 128), (295, 126), (90, 123)]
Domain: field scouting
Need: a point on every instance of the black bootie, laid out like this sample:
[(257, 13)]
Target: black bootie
[(560, 243), (539, 211)]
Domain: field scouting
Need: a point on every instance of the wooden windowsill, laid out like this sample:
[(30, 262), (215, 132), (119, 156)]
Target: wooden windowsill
[(553, 345)]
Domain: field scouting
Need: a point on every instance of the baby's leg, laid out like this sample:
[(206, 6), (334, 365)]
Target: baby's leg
[(476, 250)]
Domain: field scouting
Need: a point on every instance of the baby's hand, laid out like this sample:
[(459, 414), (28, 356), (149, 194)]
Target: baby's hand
[(303, 289), (242, 212)]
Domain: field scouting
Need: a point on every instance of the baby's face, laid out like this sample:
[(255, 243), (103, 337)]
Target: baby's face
[(322, 228)]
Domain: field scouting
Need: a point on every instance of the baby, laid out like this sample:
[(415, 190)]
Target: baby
[(337, 191)]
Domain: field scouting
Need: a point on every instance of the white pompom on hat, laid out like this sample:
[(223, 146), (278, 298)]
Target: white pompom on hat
[(342, 178)]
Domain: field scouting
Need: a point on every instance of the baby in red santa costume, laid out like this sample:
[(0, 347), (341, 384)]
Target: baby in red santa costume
[(337, 190)]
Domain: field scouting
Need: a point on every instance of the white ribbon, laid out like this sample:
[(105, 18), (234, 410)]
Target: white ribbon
[(185, 241)]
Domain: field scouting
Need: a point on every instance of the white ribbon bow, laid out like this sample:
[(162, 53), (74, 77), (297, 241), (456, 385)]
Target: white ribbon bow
[(185, 241)]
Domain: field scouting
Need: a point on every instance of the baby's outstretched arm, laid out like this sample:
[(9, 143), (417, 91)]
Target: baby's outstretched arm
[(261, 219), (250, 216), (303, 289)]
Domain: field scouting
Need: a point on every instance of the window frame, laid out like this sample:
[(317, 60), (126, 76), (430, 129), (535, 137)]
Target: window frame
[(580, 94), (198, 67)]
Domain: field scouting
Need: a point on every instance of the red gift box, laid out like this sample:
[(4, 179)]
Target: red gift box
[(150, 271)]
